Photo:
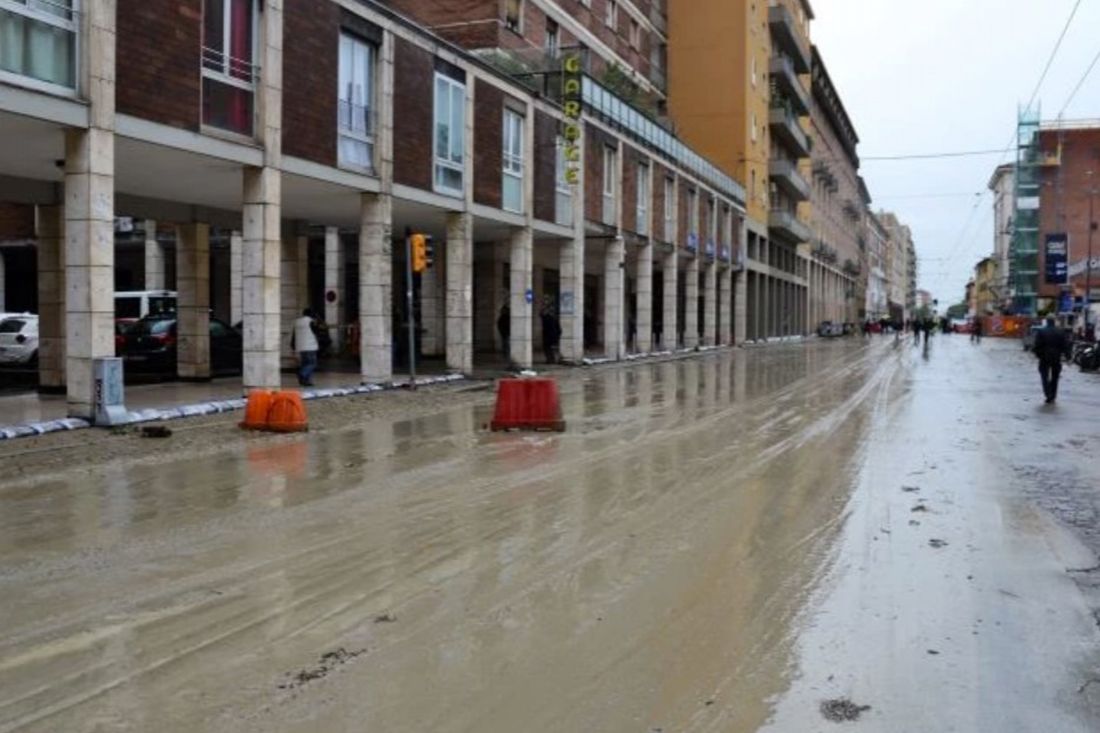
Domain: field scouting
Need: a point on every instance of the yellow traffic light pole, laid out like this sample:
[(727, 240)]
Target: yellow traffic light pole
[(409, 248)]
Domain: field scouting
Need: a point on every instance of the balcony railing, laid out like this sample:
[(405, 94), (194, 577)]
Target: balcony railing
[(600, 100), (786, 31), (787, 176), (786, 225), (785, 124), (786, 78)]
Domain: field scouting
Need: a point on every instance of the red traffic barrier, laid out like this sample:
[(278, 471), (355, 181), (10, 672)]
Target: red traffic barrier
[(527, 404)]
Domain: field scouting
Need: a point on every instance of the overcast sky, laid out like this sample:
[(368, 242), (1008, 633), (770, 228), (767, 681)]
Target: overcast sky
[(943, 76)]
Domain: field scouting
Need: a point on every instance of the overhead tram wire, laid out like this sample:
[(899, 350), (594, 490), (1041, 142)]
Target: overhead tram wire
[(1080, 83)]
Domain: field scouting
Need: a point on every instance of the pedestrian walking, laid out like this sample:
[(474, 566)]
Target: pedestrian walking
[(1050, 347), (976, 331), (551, 334), (304, 341)]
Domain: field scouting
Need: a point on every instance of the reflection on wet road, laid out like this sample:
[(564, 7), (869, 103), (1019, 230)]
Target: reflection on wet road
[(649, 569)]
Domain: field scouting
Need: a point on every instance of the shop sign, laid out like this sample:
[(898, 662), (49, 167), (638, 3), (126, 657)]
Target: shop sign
[(571, 104)]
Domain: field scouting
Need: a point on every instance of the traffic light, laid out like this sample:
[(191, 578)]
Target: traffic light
[(429, 251), (419, 246)]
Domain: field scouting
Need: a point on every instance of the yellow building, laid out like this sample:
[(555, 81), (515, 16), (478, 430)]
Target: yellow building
[(739, 72), (985, 287)]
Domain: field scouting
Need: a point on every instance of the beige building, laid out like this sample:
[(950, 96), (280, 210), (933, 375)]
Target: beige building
[(901, 266), (738, 85)]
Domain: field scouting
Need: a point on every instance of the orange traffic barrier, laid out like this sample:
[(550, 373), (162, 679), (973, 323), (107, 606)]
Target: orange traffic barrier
[(287, 413), (528, 404), (257, 409)]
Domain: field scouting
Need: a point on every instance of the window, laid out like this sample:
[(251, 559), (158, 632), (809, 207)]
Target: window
[(670, 207), (754, 71), (450, 134), (642, 208), (553, 42), (38, 40), (228, 73), (563, 192), (753, 132), (355, 108), (635, 34), (712, 221), (512, 186), (693, 213), (513, 15), (611, 19), (610, 168)]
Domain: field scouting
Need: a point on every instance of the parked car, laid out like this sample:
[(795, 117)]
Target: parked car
[(151, 345), (18, 339), (134, 304), (828, 329)]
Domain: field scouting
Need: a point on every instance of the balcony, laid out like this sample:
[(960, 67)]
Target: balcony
[(786, 176), (785, 126), (786, 79), (785, 225), (788, 36)]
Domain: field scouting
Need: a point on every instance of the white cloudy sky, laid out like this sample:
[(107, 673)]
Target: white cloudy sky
[(926, 76)]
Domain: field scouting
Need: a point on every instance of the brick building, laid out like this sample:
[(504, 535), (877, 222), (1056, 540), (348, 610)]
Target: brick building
[(276, 152)]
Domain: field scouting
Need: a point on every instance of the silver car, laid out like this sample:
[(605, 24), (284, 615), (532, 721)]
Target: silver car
[(18, 339)]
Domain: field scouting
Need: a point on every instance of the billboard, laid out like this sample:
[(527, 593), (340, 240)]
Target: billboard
[(1056, 252)]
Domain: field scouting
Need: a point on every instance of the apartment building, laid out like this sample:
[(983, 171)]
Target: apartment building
[(876, 303), (1003, 185), (277, 128), (901, 266), (1068, 178), (839, 199), (738, 79)]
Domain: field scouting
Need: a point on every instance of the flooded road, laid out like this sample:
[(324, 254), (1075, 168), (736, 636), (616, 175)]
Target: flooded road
[(715, 544)]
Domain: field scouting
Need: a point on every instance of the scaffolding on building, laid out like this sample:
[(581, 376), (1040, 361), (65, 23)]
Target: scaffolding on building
[(1024, 249)]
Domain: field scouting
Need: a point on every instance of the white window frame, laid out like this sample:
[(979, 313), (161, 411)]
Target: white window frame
[(512, 160), (641, 209), (518, 29), (366, 136), (552, 43), (670, 209), (635, 34), (610, 169), (71, 25), (611, 15), (223, 75), (449, 160)]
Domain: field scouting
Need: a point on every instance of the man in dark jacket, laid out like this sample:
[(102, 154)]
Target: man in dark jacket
[(1050, 347)]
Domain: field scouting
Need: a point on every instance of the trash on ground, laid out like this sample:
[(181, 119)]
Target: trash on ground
[(842, 710)]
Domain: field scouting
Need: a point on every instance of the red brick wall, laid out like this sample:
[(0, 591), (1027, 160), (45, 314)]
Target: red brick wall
[(1064, 201), (595, 140), (657, 184), (545, 155), (682, 216), (480, 19), (412, 144), (629, 188), (488, 153), (159, 54), (310, 77)]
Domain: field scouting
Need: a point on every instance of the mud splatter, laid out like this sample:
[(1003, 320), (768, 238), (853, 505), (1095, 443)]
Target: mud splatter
[(842, 710)]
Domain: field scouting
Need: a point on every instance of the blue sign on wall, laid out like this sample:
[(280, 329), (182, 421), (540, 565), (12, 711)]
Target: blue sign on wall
[(1057, 255)]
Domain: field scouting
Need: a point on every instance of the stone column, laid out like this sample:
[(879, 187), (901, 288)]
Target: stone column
[(431, 309), (292, 249), (193, 306), (236, 285), (154, 258), (710, 303), (691, 304), (740, 308), (520, 284), (262, 200), (571, 268), (669, 315), (260, 270), (50, 233), (643, 298), (726, 307), (376, 288), (334, 283), (613, 336), (460, 292)]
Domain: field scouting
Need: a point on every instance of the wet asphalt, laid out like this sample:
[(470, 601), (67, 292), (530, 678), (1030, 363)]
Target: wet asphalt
[(721, 543)]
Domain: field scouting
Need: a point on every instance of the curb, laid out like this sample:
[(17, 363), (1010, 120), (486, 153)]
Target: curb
[(153, 414)]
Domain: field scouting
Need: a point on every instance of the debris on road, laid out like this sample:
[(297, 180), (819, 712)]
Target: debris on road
[(919, 508), (910, 489), (156, 431), (328, 662), (385, 618), (937, 543), (841, 710)]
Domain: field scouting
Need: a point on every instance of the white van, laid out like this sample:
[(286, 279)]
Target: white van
[(134, 304)]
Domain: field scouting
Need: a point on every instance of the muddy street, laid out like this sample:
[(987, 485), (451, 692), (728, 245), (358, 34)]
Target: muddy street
[(776, 539)]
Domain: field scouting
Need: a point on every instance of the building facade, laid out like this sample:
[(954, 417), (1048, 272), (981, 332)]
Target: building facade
[(840, 222), (1069, 207), (309, 137), (1003, 185), (877, 304), (901, 266), (738, 92), (986, 298)]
